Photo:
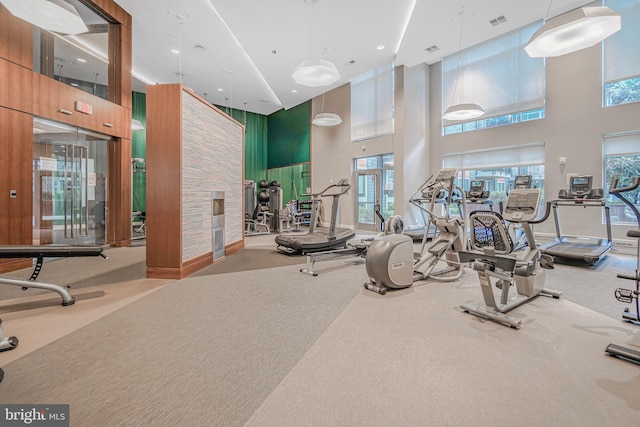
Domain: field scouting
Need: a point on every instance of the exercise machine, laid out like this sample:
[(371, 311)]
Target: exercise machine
[(390, 261), (515, 230), (319, 239), (39, 253), (477, 195), (590, 251), (357, 249), (622, 294), (493, 257)]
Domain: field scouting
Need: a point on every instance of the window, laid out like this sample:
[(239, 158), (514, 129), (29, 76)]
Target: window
[(498, 75), (621, 60), (621, 155), (498, 168), (372, 103), (81, 60)]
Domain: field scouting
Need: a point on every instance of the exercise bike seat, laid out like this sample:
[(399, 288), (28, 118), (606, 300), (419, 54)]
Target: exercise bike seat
[(634, 233)]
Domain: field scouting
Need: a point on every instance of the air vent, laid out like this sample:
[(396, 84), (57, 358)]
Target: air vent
[(432, 49), (497, 21)]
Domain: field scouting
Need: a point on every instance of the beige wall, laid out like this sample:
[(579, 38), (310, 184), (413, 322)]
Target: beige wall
[(573, 128)]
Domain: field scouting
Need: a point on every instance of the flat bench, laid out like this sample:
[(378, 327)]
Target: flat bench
[(39, 253)]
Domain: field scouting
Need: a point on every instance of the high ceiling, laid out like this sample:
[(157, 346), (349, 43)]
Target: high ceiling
[(241, 53)]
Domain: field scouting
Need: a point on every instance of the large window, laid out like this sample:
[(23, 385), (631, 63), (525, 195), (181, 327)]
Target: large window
[(498, 168), (498, 75), (621, 154), (372, 103), (621, 56)]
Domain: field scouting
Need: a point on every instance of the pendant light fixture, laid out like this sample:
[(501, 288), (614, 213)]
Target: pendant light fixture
[(315, 72), (465, 110), (326, 119), (51, 15), (573, 31)]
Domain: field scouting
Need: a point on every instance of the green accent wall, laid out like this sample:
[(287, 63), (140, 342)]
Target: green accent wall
[(255, 142), (294, 180), (289, 136), (139, 150), (276, 148)]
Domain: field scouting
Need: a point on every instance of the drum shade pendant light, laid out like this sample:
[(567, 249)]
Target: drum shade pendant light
[(465, 110), (315, 72), (326, 119), (51, 15), (573, 31)]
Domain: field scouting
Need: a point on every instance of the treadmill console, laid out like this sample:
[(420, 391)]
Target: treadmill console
[(522, 181), (522, 204), (476, 191), (581, 188)]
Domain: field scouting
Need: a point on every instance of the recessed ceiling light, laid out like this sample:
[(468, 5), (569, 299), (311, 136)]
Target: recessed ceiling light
[(75, 84), (175, 51), (380, 47), (220, 89), (294, 90), (81, 60), (199, 46)]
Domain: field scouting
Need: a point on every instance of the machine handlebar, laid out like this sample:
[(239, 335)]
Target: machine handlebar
[(344, 187), (545, 216), (614, 184)]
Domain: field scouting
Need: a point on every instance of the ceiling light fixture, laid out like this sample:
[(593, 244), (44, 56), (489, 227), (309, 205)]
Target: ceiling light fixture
[(51, 15), (573, 31), (315, 72), (465, 110), (326, 119)]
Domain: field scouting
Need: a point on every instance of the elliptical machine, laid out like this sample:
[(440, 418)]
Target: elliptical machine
[(390, 261), (628, 295), (493, 256)]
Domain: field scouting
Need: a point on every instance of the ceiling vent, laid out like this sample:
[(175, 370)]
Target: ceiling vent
[(432, 49), (497, 21)]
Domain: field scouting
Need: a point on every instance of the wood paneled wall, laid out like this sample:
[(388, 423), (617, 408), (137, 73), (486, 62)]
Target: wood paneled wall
[(192, 149), (25, 93)]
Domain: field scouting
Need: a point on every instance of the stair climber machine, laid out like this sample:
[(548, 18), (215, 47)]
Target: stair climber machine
[(628, 296), (492, 254), (390, 260), (317, 240)]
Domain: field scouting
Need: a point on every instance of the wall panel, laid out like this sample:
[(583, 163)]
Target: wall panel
[(192, 149)]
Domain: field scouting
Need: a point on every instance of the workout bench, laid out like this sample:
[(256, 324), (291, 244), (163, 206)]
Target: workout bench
[(39, 253)]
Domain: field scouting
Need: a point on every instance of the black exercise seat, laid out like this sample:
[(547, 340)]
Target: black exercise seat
[(634, 233), (39, 253)]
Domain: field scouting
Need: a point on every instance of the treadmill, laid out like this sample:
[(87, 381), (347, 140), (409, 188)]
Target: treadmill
[(589, 251), (318, 240), (477, 195)]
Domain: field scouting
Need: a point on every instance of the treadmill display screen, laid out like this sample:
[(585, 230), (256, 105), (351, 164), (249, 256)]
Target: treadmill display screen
[(580, 185), (477, 185)]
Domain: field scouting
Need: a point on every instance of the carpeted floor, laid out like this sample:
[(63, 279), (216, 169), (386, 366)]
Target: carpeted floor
[(274, 347)]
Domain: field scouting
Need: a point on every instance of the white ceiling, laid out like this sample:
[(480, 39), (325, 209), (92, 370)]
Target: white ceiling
[(253, 46)]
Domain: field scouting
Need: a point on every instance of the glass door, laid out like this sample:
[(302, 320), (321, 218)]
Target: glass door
[(368, 199), (375, 180), (69, 184)]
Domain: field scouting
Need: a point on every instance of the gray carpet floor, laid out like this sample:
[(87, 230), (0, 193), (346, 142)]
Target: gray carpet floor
[(274, 347)]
